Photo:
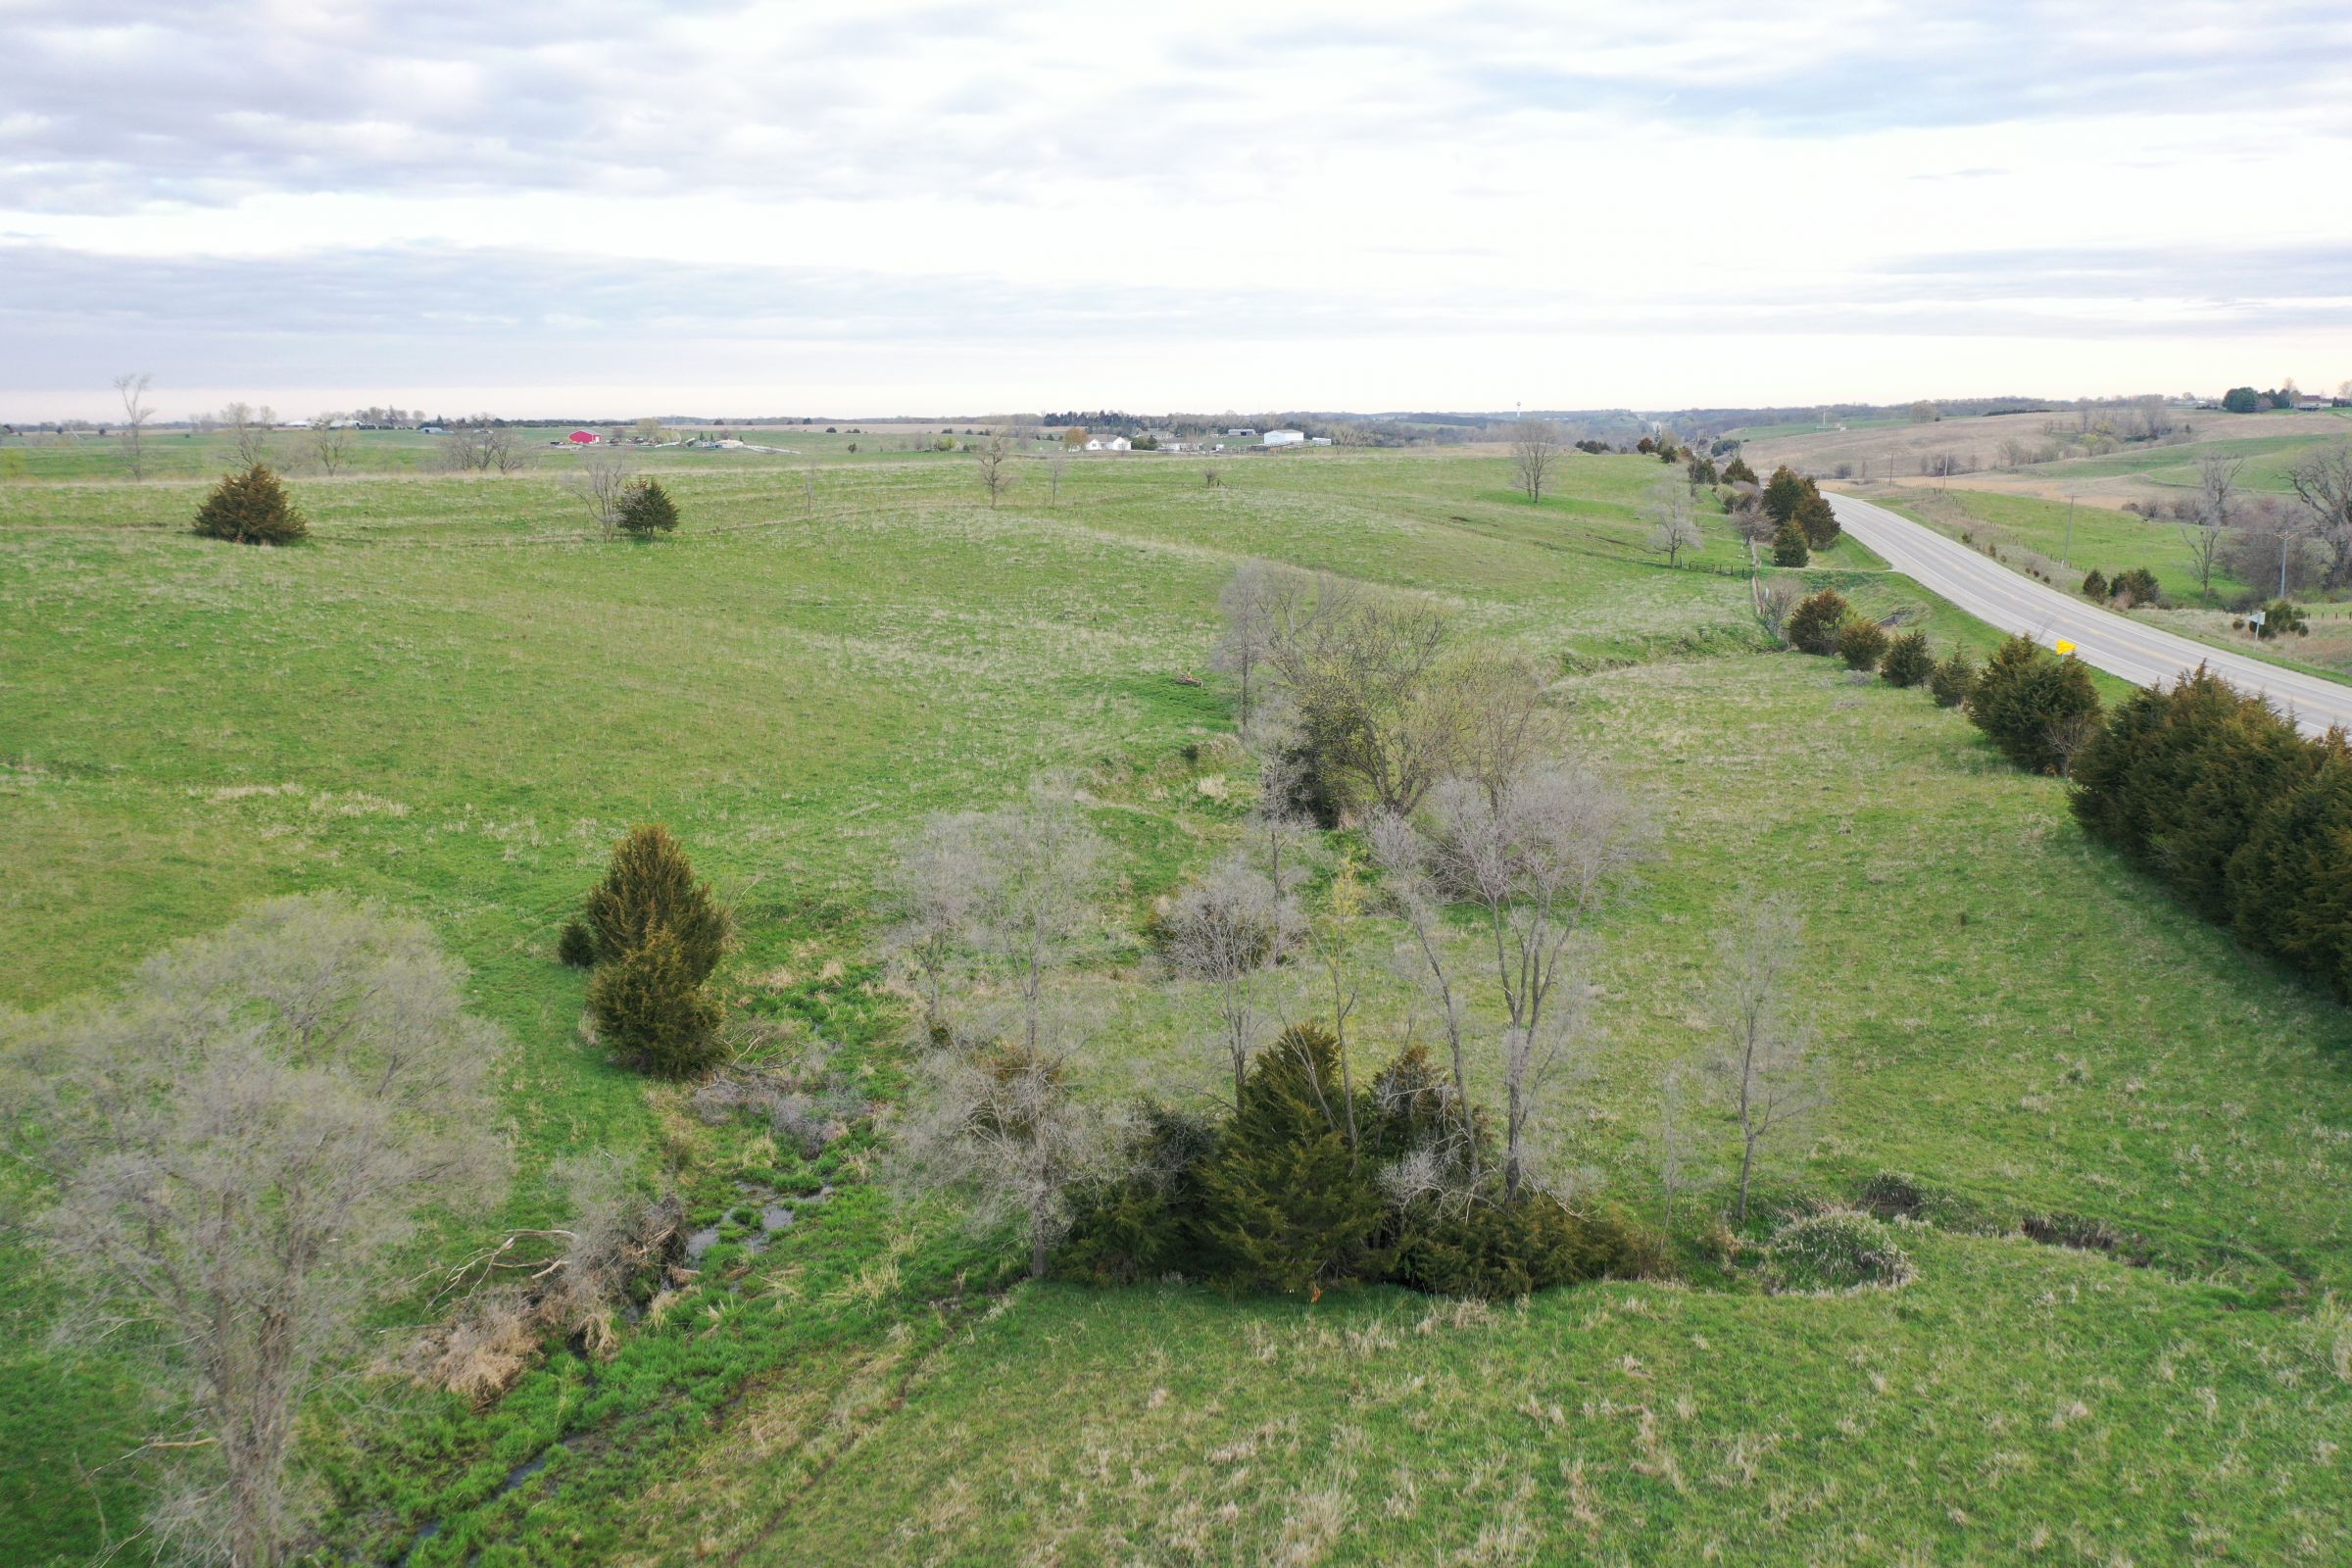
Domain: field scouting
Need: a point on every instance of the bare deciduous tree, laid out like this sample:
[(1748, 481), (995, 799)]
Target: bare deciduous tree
[(1505, 724), (1774, 602), (1675, 1146), (1761, 1058), (1040, 864), (2324, 481), (1000, 1117), (330, 442), (1248, 604), (481, 445), (995, 455), (1532, 858), (1750, 520), (1360, 673), (937, 888), (1228, 930), (602, 483), (2217, 497), (1005, 1125), (248, 430), (1058, 463), (1535, 448), (131, 386), (1276, 835), (238, 1143), (1673, 528)]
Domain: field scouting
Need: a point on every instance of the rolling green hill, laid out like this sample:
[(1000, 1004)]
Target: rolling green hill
[(452, 699)]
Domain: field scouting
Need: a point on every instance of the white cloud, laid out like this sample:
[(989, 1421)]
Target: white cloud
[(1569, 205)]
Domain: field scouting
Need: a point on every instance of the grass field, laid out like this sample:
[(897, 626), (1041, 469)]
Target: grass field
[(452, 700)]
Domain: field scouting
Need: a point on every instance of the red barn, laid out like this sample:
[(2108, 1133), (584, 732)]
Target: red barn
[(584, 438)]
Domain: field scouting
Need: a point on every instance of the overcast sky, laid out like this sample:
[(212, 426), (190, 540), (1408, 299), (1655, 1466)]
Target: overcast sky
[(592, 208)]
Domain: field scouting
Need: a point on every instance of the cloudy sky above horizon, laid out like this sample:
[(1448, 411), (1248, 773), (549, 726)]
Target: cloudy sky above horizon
[(714, 208)]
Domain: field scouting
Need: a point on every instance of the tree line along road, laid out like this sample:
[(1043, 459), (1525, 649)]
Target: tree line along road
[(2117, 644)]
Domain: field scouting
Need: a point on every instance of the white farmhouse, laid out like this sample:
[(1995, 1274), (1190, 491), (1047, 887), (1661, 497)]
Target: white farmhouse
[(1107, 443), (1284, 438)]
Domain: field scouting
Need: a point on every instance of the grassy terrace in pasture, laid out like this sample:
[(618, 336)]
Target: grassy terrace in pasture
[(452, 700)]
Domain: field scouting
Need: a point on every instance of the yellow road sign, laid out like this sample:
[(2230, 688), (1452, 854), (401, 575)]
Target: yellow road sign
[(2065, 647)]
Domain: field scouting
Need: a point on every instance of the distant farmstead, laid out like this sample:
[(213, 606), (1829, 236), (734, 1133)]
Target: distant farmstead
[(1109, 443), (584, 438), (1285, 438)]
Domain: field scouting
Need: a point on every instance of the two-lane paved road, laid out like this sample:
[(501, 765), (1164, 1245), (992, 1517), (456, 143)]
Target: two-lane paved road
[(2116, 644)]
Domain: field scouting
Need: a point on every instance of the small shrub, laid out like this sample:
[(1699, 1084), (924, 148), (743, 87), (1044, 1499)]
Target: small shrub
[(1861, 643), (1499, 1250), (1788, 546), (1814, 625), (651, 1009), (2094, 586), (1908, 661), (2138, 586), (651, 885), (1952, 680), (646, 510), (1841, 1249), (2282, 616), (2029, 703), (251, 509), (576, 946)]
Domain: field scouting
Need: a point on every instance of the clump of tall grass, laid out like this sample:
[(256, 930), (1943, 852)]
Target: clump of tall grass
[(1839, 1250)]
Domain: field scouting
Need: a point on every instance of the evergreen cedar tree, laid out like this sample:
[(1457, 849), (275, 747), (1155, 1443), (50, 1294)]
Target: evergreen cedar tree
[(1277, 1198), (1952, 680), (2094, 586), (2138, 585), (2177, 778), (2216, 794), (651, 1008), (1813, 515), (646, 510), (654, 935), (1907, 661), (1814, 625), (251, 509), (1737, 471), (1288, 1204), (576, 946), (1781, 495), (2290, 885), (650, 885), (1861, 643), (2025, 701), (1789, 547)]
